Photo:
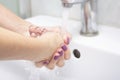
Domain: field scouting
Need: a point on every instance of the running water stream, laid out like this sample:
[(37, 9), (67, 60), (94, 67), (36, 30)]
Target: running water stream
[(65, 18), (35, 73)]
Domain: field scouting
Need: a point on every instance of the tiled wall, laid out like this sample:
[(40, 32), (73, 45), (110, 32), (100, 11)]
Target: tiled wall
[(108, 10)]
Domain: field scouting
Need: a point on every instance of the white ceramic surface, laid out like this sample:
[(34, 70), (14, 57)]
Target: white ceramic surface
[(100, 56)]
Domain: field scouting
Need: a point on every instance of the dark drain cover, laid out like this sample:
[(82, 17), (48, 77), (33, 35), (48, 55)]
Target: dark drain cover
[(76, 53)]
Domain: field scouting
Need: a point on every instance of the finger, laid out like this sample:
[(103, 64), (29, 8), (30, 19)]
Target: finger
[(66, 51), (40, 31), (43, 30), (60, 62), (33, 35), (51, 65), (34, 31), (64, 47), (55, 58), (41, 63), (31, 29), (66, 39), (67, 54)]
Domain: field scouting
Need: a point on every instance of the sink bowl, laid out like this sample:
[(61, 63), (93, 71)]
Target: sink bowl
[(100, 56), (93, 65)]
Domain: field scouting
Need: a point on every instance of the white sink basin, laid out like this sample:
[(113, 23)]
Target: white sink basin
[(100, 56)]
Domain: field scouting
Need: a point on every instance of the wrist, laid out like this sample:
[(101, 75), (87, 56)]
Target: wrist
[(23, 28), (36, 49)]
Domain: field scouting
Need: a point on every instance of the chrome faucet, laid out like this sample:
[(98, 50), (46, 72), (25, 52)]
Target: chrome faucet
[(88, 14)]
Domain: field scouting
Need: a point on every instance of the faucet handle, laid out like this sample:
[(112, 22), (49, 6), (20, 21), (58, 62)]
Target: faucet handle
[(67, 1), (72, 1)]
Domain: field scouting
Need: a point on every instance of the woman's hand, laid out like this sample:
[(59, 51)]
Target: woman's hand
[(52, 42), (62, 53)]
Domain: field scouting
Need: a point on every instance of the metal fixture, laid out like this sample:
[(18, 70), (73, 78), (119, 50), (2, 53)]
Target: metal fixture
[(88, 14)]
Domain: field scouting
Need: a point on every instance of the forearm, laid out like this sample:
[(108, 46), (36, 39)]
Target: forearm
[(16, 47), (12, 22)]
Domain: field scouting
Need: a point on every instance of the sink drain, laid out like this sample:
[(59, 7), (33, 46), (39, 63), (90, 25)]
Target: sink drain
[(76, 53)]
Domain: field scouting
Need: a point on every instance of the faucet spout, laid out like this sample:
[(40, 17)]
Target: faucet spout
[(88, 14), (70, 3), (89, 18)]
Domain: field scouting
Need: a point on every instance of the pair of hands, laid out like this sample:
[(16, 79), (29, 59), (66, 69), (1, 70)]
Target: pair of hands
[(61, 52)]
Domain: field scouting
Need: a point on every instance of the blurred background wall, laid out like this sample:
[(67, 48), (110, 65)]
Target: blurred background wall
[(108, 10), (21, 8), (12, 5)]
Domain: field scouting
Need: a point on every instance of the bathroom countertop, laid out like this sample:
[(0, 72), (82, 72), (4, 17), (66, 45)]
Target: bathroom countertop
[(108, 39)]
